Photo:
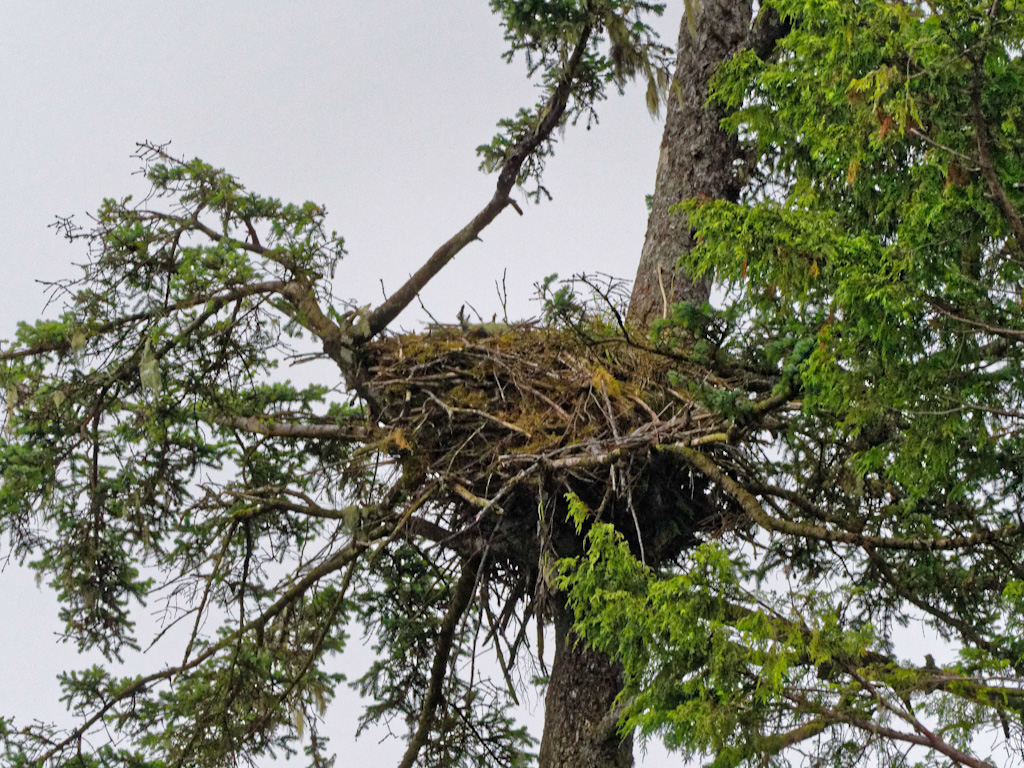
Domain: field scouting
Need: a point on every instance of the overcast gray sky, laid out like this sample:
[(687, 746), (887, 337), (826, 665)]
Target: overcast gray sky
[(372, 109)]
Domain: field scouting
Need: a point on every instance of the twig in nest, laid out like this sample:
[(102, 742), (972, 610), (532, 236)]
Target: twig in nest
[(506, 489), (610, 412), (555, 406), (423, 306), (462, 446), (664, 298), (452, 410), (467, 495), (496, 637), (503, 295), (640, 401), (636, 522), (447, 408)]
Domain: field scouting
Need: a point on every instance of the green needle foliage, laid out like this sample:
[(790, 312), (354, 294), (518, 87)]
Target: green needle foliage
[(624, 47), (873, 278), (866, 478)]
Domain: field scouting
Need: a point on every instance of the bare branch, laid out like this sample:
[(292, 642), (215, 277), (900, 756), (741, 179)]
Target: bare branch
[(553, 110), (267, 425)]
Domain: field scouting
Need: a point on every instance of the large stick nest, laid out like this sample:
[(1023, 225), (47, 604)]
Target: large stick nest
[(496, 425)]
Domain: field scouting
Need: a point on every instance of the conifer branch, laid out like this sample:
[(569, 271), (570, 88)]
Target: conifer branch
[(462, 595)]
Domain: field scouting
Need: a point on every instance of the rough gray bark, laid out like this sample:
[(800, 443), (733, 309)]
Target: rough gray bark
[(696, 161), (696, 158), (578, 732)]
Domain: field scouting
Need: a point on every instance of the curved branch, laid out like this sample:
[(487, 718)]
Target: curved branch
[(942, 308), (749, 503), (554, 108), (314, 650), (898, 585), (225, 297), (346, 556), (943, 747), (141, 684), (988, 169)]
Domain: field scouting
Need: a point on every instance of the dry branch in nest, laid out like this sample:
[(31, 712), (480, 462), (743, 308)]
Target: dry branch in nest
[(496, 427)]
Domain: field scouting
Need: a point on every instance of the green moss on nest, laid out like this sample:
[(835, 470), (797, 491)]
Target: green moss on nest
[(497, 424)]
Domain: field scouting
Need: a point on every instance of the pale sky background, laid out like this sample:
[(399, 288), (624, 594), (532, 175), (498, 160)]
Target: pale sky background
[(372, 109)]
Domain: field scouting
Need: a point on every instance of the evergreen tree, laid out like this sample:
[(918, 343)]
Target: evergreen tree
[(743, 503), (872, 280)]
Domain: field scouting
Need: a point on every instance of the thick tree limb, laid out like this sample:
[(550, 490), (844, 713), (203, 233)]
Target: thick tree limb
[(335, 341), (749, 503), (776, 742), (768, 29), (465, 542), (554, 109), (266, 425)]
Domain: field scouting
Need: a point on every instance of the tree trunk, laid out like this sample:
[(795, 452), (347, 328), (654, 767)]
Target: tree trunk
[(579, 731), (696, 158)]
